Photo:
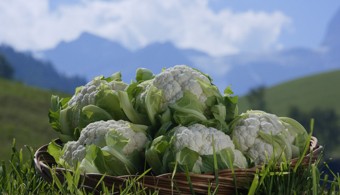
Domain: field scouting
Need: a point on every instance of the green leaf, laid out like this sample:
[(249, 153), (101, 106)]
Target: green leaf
[(143, 74), (227, 91), (166, 117), (296, 130), (209, 89), (92, 113), (66, 119), (188, 110), (117, 76), (55, 150), (280, 144), (129, 110), (57, 104), (231, 107), (109, 101), (226, 158), (154, 153), (88, 165), (285, 145), (112, 161), (116, 140), (219, 112), (153, 102), (189, 159)]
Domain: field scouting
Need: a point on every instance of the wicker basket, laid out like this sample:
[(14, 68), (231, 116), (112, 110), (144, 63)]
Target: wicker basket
[(166, 183)]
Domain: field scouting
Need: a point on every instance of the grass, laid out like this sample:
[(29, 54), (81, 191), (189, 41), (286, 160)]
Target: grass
[(23, 116), (19, 176), (307, 93)]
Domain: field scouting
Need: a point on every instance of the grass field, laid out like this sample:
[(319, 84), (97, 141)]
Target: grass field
[(23, 116), (317, 91)]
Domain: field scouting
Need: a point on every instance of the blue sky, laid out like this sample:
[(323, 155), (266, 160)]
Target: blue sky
[(218, 27)]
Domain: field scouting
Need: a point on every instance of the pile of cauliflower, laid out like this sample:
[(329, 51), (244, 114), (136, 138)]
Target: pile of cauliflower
[(176, 120)]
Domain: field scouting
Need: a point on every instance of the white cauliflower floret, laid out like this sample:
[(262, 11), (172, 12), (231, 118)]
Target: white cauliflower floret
[(95, 134), (87, 93), (73, 153), (261, 151), (195, 148), (200, 138), (175, 80), (262, 136), (240, 160)]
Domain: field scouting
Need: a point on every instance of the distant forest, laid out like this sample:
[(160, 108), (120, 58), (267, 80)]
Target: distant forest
[(6, 70)]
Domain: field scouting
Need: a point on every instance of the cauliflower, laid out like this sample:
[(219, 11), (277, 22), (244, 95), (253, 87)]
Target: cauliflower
[(175, 80), (119, 141), (199, 138), (186, 95), (97, 100), (86, 95), (262, 136), (193, 147)]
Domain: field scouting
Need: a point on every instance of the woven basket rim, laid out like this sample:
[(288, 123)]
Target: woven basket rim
[(43, 162)]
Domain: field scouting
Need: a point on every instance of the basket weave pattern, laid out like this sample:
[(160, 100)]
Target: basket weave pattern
[(168, 183)]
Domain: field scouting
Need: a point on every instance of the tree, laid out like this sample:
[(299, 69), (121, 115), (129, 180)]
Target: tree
[(6, 70), (256, 98), (326, 125)]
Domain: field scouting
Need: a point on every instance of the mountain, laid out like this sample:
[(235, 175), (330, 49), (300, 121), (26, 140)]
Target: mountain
[(37, 73), (331, 42), (154, 57), (332, 39), (90, 55), (269, 69)]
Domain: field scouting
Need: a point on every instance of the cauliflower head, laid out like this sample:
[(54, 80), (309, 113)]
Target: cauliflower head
[(263, 136), (193, 147), (200, 138), (175, 80), (118, 141), (86, 94), (184, 95), (97, 100)]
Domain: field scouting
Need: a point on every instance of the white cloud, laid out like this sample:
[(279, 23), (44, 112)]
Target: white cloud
[(189, 24)]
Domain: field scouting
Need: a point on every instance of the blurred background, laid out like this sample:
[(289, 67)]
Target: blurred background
[(279, 56)]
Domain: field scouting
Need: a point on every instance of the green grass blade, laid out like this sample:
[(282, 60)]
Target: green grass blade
[(254, 185)]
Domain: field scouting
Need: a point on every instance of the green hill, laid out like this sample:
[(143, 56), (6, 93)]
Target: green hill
[(307, 93), (23, 116)]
